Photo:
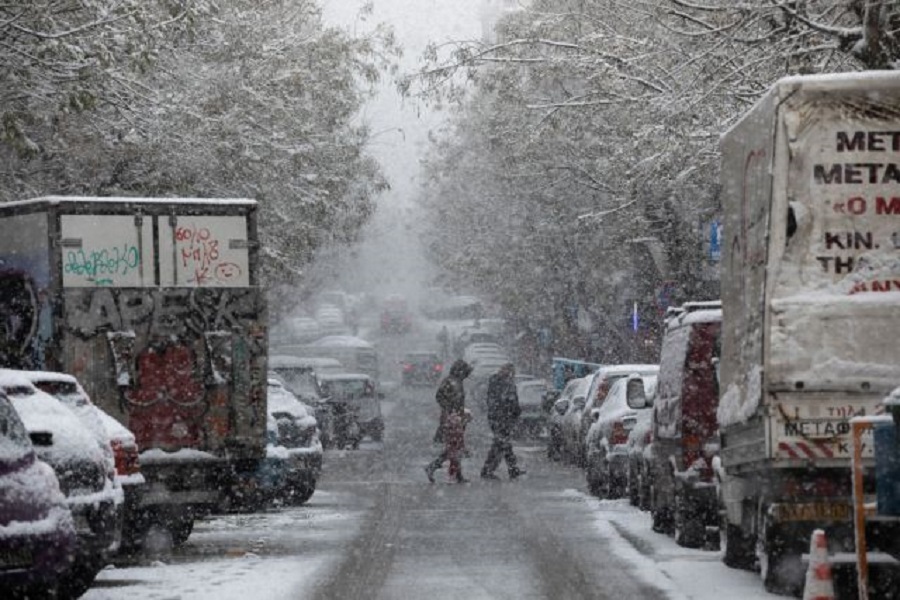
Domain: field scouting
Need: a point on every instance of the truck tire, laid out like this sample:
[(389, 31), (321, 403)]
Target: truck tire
[(780, 565), (737, 548)]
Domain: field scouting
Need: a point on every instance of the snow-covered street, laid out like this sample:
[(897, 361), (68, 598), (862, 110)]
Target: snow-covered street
[(377, 529)]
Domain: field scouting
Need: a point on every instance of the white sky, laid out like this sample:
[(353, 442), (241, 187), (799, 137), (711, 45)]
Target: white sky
[(390, 258)]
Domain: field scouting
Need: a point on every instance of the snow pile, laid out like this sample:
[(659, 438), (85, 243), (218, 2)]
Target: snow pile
[(736, 408)]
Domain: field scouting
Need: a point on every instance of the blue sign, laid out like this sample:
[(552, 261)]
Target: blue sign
[(715, 241)]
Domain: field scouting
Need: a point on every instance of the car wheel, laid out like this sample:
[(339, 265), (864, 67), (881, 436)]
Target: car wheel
[(616, 484), (689, 529), (378, 430), (78, 579), (181, 530), (633, 485), (662, 520), (301, 493)]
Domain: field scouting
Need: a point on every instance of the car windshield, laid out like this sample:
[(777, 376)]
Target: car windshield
[(14, 442)]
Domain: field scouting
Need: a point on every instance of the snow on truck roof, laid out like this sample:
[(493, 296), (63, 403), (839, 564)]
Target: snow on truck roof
[(131, 199)]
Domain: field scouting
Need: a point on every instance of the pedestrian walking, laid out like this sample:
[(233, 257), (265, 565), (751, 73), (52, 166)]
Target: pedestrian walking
[(451, 397), (455, 443), (503, 413)]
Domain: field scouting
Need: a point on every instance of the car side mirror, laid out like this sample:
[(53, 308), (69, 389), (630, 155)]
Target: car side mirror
[(635, 395), (595, 415), (561, 407)]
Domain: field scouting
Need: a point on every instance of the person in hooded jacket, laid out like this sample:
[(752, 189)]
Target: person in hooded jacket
[(503, 412), (451, 397)]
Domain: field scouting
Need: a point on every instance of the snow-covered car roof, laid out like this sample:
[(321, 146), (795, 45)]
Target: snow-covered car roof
[(280, 400), (343, 341), (41, 412), (343, 376)]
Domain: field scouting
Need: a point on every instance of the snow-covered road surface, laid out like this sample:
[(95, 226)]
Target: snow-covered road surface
[(377, 529)]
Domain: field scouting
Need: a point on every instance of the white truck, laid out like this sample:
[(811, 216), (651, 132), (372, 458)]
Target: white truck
[(811, 303), (155, 305)]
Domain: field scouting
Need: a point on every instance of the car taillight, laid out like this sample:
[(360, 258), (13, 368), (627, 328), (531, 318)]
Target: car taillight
[(127, 461), (619, 434), (438, 368), (407, 367), (648, 437)]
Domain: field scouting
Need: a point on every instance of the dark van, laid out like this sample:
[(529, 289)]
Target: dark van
[(684, 425)]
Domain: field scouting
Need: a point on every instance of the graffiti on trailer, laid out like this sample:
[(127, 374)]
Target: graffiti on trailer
[(174, 358), (200, 252), (102, 265), (174, 311)]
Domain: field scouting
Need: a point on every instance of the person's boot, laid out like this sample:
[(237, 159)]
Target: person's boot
[(461, 479), (429, 472), (488, 475), (515, 472)]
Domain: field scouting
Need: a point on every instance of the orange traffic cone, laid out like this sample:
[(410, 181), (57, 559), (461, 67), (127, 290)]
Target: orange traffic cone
[(819, 585)]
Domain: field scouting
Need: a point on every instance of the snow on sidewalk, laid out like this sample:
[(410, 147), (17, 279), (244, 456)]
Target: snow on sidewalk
[(683, 573)]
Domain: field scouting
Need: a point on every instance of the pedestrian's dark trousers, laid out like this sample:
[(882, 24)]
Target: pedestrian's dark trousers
[(438, 463), (501, 449)]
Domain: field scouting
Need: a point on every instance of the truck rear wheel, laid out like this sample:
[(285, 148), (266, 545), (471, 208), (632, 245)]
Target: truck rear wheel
[(737, 547), (780, 563)]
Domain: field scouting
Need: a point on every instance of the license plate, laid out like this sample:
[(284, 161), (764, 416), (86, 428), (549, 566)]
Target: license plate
[(813, 511), (14, 559)]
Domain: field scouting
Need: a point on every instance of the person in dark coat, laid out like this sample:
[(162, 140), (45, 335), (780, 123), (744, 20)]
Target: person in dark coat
[(503, 413), (451, 397)]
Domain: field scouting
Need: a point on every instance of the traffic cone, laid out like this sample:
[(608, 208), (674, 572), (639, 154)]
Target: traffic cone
[(819, 584)]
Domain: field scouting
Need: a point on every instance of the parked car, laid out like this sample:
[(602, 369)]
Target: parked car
[(639, 446), (571, 399), (37, 532), (576, 427), (114, 439), (685, 427), (421, 368), (533, 421), (85, 476), (359, 390), (297, 434), (606, 443)]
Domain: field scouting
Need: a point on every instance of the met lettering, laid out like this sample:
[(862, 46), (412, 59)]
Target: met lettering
[(868, 141)]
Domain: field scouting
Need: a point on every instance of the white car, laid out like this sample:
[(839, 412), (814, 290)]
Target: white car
[(86, 477), (606, 443), (297, 441)]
